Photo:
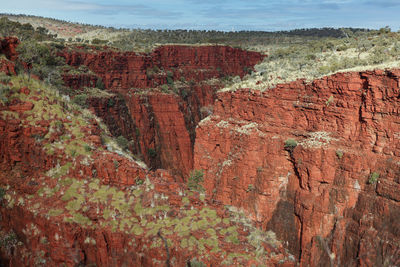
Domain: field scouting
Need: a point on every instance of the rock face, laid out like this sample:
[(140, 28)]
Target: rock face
[(8, 47), (67, 199), (333, 195), (163, 131), (127, 70)]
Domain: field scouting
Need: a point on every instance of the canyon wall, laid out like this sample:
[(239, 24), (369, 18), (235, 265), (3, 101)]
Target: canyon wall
[(125, 70), (317, 163), (164, 123), (67, 198)]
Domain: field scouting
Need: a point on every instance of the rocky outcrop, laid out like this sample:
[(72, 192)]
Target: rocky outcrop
[(78, 81), (7, 66), (8, 47), (332, 191)]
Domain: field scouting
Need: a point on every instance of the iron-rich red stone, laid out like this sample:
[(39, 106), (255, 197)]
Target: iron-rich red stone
[(316, 196)]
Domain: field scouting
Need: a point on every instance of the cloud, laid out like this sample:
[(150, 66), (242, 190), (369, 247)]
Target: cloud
[(130, 9), (384, 3), (139, 10), (217, 14)]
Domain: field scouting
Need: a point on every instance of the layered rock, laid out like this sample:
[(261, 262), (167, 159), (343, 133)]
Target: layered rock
[(334, 197), (163, 131), (139, 70), (70, 198)]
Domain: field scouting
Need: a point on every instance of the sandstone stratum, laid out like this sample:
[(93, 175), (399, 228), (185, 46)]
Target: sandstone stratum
[(304, 173)]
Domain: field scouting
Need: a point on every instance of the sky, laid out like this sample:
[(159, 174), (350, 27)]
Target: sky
[(226, 15)]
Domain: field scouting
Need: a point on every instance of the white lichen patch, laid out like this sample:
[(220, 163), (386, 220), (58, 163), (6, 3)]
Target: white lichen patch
[(357, 185), (222, 124), (227, 163), (90, 240), (206, 120), (317, 140)]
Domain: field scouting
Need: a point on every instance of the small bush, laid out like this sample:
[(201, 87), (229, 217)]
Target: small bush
[(2, 193), (4, 91), (339, 153), (111, 102), (373, 178), (250, 188), (196, 263), (116, 164), (195, 180), (165, 88), (4, 78), (73, 153), (100, 84), (152, 153), (80, 100), (87, 148), (329, 101), (290, 144), (122, 142), (8, 241), (99, 41), (170, 77)]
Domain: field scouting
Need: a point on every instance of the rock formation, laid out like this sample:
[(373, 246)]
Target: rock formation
[(70, 196), (314, 163), (317, 163), (164, 128)]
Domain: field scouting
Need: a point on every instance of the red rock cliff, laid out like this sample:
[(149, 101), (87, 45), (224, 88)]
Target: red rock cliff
[(334, 198), (66, 200), (138, 70), (164, 124)]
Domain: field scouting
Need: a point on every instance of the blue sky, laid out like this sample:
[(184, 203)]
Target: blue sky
[(216, 14)]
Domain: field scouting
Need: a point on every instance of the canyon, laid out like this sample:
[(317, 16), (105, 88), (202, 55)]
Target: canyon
[(316, 163), (162, 126)]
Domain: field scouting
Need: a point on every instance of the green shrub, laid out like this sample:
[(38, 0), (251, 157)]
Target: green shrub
[(116, 164), (250, 188), (165, 88), (373, 178), (8, 241), (2, 193), (152, 153), (329, 101), (80, 100), (122, 142), (339, 153), (170, 77), (290, 144), (4, 91), (196, 263), (100, 84), (111, 102), (4, 78), (195, 180), (97, 41), (87, 148)]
